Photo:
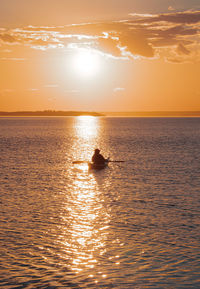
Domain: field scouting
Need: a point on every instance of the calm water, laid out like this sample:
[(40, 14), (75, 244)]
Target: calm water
[(132, 225)]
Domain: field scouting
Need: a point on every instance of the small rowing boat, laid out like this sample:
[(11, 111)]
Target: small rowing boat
[(97, 166)]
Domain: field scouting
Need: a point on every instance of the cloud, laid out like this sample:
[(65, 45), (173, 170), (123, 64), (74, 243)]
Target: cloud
[(51, 85), (7, 90), (136, 44), (118, 89), (140, 15), (48, 46), (187, 17), (142, 35), (181, 49), (170, 8), (7, 50), (33, 89), (12, 59), (7, 38), (72, 91), (174, 60), (108, 46)]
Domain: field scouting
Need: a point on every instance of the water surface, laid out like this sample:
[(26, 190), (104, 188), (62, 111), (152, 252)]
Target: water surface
[(132, 225)]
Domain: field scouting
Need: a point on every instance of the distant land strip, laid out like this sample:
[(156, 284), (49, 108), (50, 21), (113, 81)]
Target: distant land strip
[(89, 113), (154, 113), (49, 113)]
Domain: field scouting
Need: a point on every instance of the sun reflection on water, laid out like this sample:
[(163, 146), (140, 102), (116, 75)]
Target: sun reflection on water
[(86, 127), (86, 137), (87, 229), (87, 220)]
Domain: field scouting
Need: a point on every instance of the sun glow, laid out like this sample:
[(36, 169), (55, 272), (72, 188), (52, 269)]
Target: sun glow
[(86, 63)]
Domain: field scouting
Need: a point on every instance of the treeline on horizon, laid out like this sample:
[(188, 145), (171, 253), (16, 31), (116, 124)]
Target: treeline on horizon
[(49, 113), (82, 113)]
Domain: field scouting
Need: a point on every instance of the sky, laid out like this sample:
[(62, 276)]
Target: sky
[(100, 55)]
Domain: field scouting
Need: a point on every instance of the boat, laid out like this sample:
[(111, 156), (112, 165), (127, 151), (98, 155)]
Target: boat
[(97, 166)]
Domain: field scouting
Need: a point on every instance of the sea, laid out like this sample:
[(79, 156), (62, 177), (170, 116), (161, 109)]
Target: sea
[(134, 224)]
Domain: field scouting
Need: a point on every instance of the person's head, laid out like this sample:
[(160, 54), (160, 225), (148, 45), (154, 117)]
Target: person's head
[(97, 151)]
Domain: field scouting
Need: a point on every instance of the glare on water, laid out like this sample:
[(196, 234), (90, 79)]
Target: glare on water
[(86, 217), (84, 237), (86, 127), (86, 134)]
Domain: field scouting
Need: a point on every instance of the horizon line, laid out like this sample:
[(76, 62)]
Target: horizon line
[(152, 113)]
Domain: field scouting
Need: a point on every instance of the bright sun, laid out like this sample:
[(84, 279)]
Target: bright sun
[(86, 63)]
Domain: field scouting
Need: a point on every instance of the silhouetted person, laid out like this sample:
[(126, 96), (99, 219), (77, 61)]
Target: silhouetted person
[(97, 158)]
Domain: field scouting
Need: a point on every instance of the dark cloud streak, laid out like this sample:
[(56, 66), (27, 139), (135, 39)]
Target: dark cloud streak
[(7, 38), (191, 17)]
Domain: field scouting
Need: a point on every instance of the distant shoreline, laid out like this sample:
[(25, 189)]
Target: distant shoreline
[(98, 114), (49, 113), (154, 114)]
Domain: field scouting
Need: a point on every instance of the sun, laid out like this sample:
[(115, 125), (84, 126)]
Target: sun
[(86, 63)]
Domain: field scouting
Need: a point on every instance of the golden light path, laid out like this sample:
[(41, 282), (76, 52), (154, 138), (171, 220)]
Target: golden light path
[(86, 233), (86, 212), (86, 130)]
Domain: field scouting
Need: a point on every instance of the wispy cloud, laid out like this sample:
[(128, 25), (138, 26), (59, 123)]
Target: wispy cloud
[(181, 49), (7, 38), (72, 91), (7, 90), (170, 8), (51, 85), (118, 89), (12, 59), (33, 89)]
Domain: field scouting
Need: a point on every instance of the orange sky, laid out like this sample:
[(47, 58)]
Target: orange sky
[(120, 56)]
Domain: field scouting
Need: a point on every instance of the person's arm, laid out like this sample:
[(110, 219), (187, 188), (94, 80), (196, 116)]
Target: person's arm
[(102, 158)]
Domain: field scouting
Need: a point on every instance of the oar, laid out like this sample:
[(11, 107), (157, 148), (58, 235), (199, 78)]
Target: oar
[(116, 161), (80, 162), (86, 162)]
